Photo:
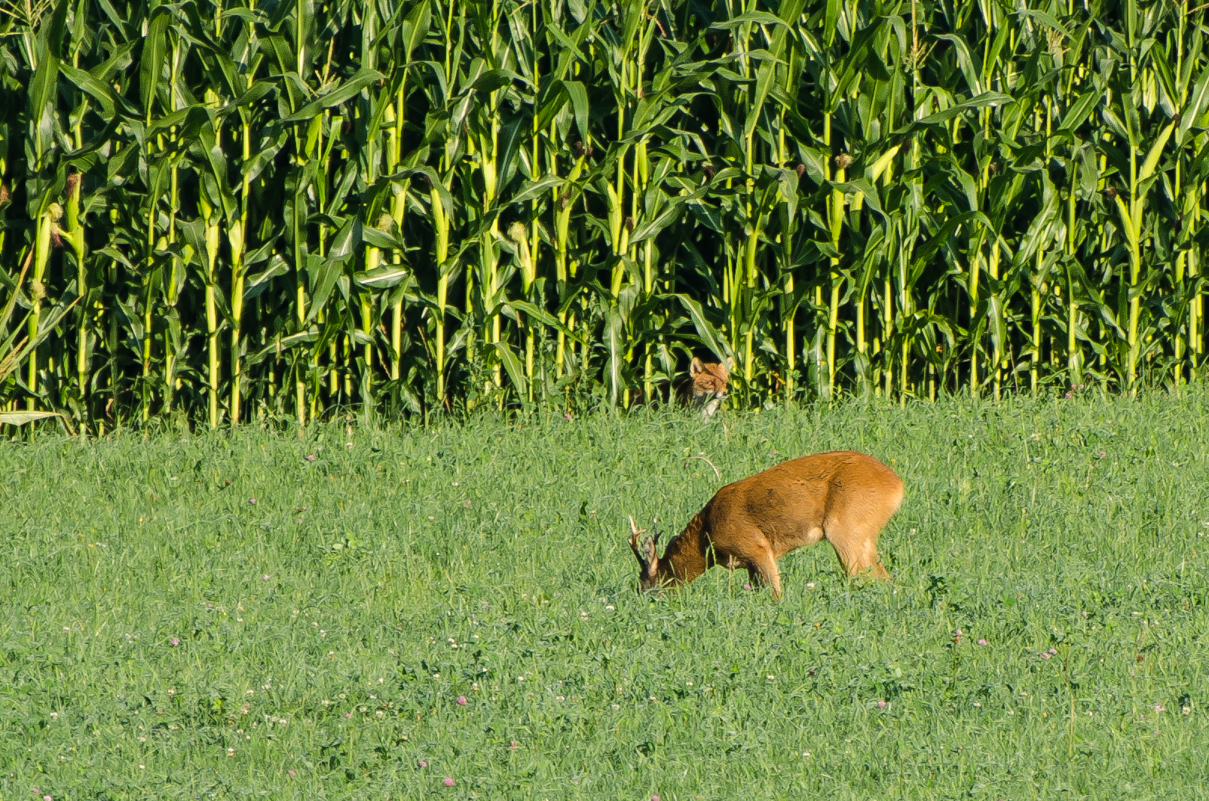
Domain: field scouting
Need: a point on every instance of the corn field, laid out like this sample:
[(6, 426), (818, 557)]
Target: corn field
[(281, 210)]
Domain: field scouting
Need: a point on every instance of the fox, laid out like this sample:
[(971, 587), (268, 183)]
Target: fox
[(707, 385), (704, 388), (843, 497)]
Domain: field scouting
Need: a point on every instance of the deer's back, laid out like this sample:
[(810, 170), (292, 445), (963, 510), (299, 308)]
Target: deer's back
[(790, 504)]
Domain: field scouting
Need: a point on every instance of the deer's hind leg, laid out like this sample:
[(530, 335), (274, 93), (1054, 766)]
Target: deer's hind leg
[(855, 543)]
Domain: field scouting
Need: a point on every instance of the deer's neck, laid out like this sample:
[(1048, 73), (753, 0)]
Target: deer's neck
[(685, 556)]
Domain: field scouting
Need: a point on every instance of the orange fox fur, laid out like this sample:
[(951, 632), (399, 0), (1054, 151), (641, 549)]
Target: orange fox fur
[(708, 384), (843, 497), (704, 388)]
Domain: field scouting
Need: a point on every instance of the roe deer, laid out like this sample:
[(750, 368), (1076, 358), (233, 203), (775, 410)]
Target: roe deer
[(843, 497)]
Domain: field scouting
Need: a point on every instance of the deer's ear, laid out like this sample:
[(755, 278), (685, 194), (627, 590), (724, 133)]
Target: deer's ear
[(652, 556)]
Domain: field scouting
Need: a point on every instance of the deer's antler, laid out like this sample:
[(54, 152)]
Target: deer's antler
[(634, 535)]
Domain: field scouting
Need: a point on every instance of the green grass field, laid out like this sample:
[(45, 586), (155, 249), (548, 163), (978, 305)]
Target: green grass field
[(222, 616)]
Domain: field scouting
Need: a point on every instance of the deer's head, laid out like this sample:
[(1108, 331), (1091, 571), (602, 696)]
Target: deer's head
[(648, 557)]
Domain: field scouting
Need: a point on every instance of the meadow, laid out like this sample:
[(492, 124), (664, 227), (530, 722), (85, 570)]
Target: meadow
[(356, 612)]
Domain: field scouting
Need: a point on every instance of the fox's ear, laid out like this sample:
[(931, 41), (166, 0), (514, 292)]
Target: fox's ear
[(730, 362), (696, 368)]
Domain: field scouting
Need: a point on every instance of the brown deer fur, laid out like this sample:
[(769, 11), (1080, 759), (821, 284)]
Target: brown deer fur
[(843, 497)]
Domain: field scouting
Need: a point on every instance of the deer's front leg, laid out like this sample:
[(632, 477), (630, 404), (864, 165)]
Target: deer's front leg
[(764, 572)]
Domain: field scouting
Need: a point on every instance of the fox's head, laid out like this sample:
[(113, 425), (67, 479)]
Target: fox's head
[(709, 383)]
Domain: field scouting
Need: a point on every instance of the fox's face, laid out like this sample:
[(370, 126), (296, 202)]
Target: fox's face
[(709, 380)]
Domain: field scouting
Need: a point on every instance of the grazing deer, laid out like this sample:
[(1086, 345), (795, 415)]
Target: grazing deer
[(843, 497)]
